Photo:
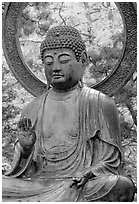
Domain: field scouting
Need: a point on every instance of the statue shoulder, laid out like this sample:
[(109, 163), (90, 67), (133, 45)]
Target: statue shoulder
[(110, 113), (107, 103), (33, 106), (102, 100)]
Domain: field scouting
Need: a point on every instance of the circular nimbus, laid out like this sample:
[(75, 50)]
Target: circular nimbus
[(110, 85)]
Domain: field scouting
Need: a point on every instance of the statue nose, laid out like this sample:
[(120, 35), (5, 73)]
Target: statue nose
[(56, 67)]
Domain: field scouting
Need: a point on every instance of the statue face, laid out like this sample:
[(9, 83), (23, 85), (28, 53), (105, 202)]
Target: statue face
[(62, 69)]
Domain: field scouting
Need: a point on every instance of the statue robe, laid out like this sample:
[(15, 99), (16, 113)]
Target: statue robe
[(43, 176)]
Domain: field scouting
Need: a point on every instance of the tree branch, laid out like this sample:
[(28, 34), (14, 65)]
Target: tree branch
[(61, 15), (33, 41), (131, 110), (129, 143), (135, 79)]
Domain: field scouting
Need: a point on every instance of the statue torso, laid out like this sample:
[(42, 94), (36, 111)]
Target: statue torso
[(60, 120), (60, 149)]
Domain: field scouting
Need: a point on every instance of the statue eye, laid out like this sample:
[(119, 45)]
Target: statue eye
[(48, 60), (64, 59)]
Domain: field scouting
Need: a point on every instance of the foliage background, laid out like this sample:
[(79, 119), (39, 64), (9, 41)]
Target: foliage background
[(101, 27)]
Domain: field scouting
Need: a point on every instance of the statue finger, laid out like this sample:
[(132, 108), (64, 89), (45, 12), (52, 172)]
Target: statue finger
[(76, 182), (77, 179), (21, 125), (32, 129), (29, 125), (25, 123)]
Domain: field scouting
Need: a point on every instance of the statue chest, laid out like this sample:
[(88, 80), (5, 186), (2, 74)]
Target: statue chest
[(60, 123)]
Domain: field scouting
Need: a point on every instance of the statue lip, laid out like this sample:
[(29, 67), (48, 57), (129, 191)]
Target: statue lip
[(57, 75)]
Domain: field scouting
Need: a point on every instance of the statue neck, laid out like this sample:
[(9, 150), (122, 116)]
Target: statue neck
[(65, 90), (63, 95)]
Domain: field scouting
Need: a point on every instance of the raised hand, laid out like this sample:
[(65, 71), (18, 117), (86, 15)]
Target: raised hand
[(26, 134)]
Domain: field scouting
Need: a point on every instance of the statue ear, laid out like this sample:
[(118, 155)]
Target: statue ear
[(84, 58)]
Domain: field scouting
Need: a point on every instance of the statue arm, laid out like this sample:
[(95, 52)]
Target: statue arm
[(109, 120), (26, 137), (27, 124), (20, 162), (106, 159), (106, 145)]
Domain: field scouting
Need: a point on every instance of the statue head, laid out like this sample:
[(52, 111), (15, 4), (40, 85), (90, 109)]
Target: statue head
[(63, 53), (63, 37)]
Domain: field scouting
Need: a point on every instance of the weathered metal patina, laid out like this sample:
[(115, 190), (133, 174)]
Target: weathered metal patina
[(68, 146)]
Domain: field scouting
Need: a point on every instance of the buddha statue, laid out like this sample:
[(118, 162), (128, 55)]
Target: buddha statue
[(68, 146)]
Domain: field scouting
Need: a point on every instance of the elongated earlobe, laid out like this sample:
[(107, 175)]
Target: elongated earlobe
[(80, 83), (83, 61), (84, 58)]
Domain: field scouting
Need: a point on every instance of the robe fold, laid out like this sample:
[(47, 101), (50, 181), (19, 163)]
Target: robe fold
[(44, 176)]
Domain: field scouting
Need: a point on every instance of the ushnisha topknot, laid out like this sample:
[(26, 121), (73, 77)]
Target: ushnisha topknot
[(63, 37)]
